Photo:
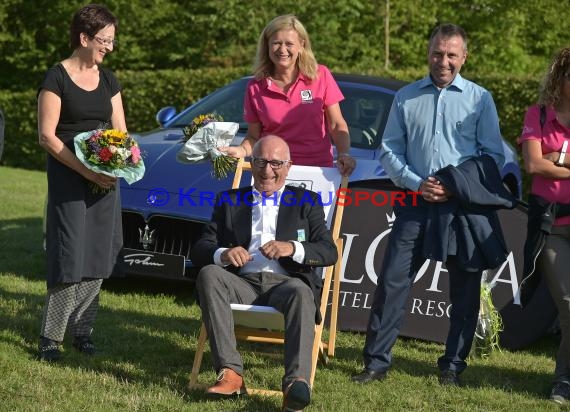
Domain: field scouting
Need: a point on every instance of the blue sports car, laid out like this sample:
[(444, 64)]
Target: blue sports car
[(164, 212)]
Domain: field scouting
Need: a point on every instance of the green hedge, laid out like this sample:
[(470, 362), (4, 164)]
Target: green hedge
[(144, 93), (147, 91), (21, 147)]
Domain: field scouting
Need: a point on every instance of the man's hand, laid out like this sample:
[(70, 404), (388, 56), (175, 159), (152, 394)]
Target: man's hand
[(236, 256), (275, 249), (433, 191)]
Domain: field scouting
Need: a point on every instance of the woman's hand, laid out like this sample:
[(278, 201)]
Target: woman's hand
[(246, 146), (540, 164), (102, 180), (346, 164), (233, 151), (552, 156)]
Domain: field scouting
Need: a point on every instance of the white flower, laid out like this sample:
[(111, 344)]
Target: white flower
[(124, 153)]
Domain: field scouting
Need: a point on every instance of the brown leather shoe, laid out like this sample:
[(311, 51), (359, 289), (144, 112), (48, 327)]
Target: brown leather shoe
[(228, 383)]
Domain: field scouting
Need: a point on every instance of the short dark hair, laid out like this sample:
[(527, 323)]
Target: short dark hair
[(447, 30), (89, 20)]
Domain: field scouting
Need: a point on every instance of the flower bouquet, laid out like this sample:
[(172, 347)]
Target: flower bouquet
[(200, 121), (111, 152), (203, 144)]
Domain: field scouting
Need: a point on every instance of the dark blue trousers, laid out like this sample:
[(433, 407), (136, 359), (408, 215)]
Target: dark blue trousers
[(402, 260)]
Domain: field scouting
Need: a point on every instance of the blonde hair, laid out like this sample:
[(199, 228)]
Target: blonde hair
[(551, 92), (306, 62)]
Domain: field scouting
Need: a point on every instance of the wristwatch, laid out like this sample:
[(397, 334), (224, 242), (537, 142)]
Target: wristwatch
[(560, 161)]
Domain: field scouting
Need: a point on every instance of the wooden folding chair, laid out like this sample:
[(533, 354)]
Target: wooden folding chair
[(264, 323)]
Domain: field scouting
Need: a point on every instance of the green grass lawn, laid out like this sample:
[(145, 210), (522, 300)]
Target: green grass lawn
[(146, 332)]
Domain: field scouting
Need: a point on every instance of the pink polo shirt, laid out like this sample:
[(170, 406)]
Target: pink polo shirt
[(297, 116), (551, 138)]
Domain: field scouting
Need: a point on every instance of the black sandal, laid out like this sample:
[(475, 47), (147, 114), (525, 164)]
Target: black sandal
[(84, 344), (49, 350)]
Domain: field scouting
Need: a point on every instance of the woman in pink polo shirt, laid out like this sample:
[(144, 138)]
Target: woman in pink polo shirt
[(544, 142), (293, 97)]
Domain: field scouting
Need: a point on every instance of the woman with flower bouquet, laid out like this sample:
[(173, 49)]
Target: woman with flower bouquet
[(84, 233), (294, 97)]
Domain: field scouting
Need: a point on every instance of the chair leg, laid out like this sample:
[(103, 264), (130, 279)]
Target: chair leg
[(193, 383), (335, 300), (317, 347), (323, 355)]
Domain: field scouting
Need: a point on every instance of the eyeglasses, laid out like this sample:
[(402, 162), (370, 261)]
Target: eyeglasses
[(105, 42), (274, 164)]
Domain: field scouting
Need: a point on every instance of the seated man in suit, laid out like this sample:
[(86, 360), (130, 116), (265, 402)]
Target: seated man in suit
[(261, 247)]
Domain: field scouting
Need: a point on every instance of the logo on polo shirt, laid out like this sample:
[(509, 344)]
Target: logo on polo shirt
[(306, 96)]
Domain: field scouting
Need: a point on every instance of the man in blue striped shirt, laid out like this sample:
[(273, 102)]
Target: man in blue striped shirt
[(440, 120)]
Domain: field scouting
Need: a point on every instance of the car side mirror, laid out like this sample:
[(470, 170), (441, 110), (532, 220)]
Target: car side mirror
[(165, 114)]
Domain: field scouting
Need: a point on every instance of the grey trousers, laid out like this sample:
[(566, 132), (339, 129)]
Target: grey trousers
[(72, 306), (554, 264), (217, 288)]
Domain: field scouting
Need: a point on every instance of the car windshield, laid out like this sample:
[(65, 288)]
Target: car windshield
[(365, 109), (226, 101)]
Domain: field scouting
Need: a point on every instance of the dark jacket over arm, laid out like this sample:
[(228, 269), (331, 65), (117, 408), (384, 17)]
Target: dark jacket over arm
[(467, 225)]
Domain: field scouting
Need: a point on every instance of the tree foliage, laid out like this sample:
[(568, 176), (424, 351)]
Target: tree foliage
[(172, 52), (504, 36)]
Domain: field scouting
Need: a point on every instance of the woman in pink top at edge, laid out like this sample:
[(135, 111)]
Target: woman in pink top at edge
[(293, 97), (544, 143)]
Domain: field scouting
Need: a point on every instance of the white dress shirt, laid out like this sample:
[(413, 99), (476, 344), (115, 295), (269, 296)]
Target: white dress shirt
[(264, 213)]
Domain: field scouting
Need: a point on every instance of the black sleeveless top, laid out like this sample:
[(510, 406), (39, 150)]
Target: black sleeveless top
[(83, 229)]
